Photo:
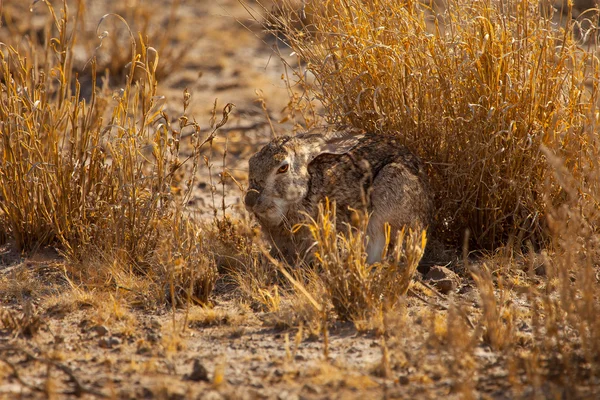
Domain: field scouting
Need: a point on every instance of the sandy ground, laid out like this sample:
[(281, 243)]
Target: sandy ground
[(89, 344), (94, 347)]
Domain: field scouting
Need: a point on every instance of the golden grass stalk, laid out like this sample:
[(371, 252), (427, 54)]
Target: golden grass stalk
[(358, 290), (475, 88), (68, 175), (96, 174)]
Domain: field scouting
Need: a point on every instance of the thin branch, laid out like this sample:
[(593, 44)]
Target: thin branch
[(78, 390)]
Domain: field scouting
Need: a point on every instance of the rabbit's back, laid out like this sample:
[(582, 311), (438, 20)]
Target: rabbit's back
[(356, 179)]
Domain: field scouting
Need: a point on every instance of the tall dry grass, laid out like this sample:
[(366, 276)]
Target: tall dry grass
[(66, 174), (98, 174), (475, 88), (356, 290), (500, 99)]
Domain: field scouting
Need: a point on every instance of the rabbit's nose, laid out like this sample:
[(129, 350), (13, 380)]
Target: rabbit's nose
[(251, 198)]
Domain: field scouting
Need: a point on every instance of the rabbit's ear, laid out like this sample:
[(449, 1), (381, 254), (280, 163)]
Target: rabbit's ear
[(339, 144), (331, 144)]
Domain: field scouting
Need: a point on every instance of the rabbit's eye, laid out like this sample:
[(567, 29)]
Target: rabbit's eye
[(283, 168)]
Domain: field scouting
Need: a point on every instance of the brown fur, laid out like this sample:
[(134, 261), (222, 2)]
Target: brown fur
[(366, 172)]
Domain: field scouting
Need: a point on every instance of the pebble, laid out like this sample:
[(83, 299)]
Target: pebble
[(109, 343), (199, 372), (212, 395), (100, 330), (312, 388), (285, 395), (443, 279)]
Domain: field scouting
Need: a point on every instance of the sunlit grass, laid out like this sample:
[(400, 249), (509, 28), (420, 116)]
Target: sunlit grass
[(498, 99), (475, 88), (97, 175)]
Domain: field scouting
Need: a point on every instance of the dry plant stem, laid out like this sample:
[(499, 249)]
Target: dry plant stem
[(441, 306), (293, 281), (359, 290), (321, 309), (224, 176), (473, 87), (263, 106), (78, 390), (27, 323), (226, 111), (325, 329)]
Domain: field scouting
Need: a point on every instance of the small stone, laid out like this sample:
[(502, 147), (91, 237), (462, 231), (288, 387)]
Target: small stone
[(403, 380), (100, 330), (109, 343), (285, 395), (84, 325), (313, 389), (257, 383), (235, 381), (199, 373), (153, 337), (443, 279), (212, 395), (154, 324)]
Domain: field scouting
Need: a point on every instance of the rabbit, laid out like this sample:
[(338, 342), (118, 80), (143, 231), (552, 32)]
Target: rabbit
[(290, 175)]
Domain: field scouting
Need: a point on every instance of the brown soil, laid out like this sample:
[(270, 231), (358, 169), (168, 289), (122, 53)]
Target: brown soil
[(91, 346)]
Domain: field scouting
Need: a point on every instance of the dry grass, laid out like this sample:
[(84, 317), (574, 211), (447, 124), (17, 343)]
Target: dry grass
[(475, 88), (67, 175), (99, 176), (498, 100), (25, 323), (359, 291)]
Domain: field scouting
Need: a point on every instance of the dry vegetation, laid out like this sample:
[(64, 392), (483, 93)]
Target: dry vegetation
[(479, 90), (113, 273)]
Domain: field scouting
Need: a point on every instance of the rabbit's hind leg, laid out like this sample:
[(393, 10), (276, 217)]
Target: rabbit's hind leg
[(396, 199)]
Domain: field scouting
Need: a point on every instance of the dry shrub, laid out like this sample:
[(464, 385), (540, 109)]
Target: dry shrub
[(284, 297), (496, 315), (359, 291), (66, 174), (338, 276), (570, 302), (475, 88), (26, 323), (188, 268), (99, 176), (106, 38)]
